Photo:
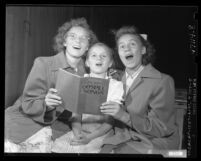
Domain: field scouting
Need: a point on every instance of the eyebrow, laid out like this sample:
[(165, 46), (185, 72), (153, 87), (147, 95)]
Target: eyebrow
[(129, 41), (78, 35), (106, 53)]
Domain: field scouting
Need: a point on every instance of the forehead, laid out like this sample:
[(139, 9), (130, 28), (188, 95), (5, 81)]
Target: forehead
[(129, 37), (98, 49), (78, 30)]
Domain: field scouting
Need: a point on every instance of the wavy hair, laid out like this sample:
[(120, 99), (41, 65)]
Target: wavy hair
[(59, 39), (149, 56)]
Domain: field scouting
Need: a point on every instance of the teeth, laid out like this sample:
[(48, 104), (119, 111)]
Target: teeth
[(76, 47), (129, 56)]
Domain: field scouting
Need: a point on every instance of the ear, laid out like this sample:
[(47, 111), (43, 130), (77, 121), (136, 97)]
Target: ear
[(144, 50), (64, 43), (110, 65), (87, 63)]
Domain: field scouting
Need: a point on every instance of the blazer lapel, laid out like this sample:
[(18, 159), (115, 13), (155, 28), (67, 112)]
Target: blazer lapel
[(136, 82), (124, 84), (148, 72)]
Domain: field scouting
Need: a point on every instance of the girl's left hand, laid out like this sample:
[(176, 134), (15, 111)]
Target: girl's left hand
[(112, 108), (81, 141)]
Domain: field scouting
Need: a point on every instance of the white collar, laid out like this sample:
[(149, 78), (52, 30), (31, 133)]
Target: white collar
[(135, 73), (88, 75)]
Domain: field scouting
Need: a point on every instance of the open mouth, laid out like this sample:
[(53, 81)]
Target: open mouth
[(99, 64), (77, 47), (128, 57)]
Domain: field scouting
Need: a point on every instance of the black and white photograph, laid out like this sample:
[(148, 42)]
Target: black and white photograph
[(101, 80)]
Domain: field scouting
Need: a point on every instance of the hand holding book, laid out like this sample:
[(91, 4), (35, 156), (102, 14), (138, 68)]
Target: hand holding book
[(52, 99), (114, 109), (86, 94), (81, 94)]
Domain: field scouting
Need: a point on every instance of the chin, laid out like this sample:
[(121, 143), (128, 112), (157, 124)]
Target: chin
[(78, 55), (131, 66), (98, 72)]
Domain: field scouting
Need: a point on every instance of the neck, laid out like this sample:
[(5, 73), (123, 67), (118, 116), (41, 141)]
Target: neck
[(72, 61), (101, 75), (130, 71)]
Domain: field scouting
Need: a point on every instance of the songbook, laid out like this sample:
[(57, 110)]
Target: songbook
[(81, 94)]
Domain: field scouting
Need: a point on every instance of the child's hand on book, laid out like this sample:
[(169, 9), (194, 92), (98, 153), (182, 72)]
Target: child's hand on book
[(52, 99), (81, 140)]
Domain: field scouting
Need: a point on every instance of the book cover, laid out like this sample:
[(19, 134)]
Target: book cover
[(81, 94)]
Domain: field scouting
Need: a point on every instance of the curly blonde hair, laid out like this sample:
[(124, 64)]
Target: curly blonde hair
[(59, 39)]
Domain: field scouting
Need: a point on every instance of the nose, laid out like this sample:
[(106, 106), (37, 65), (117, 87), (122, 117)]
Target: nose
[(77, 39), (127, 47), (99, 57)]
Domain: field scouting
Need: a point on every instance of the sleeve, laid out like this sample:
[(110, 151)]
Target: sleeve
[(161, 109), (109, 120), (35, 90), (115, 91)]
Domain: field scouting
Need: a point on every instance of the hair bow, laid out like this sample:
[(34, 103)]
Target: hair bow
[(144, 36)]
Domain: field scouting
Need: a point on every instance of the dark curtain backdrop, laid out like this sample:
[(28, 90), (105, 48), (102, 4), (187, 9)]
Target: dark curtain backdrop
[(29, 34), (30, 31)]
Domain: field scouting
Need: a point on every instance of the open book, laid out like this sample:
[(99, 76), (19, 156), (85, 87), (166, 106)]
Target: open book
[(81, 94)]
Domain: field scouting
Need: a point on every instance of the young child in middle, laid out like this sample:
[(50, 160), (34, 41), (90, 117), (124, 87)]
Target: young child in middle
[(89, 131)]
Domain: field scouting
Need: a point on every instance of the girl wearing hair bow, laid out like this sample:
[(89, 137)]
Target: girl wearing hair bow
[(146, 122)]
